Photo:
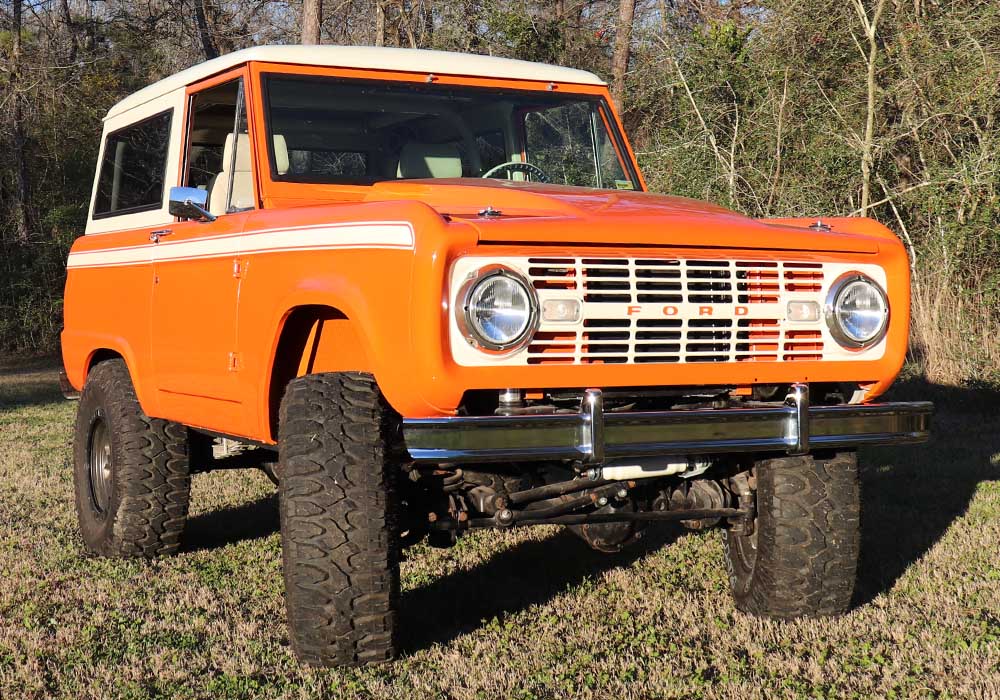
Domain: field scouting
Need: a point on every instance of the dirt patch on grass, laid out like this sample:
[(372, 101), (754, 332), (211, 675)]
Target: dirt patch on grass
[(529, 614)]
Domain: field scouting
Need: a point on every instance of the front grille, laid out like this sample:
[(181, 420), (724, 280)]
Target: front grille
[(638, 310)]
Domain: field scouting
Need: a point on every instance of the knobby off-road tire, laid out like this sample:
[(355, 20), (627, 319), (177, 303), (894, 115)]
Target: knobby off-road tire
[(802, 558), (131, 472), (339, 527)]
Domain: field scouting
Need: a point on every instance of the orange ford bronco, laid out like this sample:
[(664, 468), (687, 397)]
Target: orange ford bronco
[(428, 293)]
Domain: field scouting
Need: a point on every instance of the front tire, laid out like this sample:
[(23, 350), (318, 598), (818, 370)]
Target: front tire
[(130, 471), (801, 559), (339, 529)]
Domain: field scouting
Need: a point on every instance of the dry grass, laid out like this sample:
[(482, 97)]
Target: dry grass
[(517, 615), (956, 328)]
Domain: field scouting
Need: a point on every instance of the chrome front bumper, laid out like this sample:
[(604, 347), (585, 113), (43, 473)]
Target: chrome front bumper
[(594, 436)]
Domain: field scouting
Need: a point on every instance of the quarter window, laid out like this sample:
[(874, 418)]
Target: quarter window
[(133, 168)]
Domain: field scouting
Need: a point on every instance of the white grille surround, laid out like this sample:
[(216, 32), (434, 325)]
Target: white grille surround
[(654, 309)]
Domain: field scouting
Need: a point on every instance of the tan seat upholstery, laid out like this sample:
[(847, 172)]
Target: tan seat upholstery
[(429, 160), (242, 176), (242, 198)]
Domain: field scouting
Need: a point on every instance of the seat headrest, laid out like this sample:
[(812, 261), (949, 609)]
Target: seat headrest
[(242, 163), (429, 160), (280, 154), (243, 153)]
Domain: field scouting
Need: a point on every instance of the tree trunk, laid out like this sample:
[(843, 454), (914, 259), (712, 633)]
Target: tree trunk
[(70, 26), (623, 48), (21, 194), (379, 23), (870, 26), (406, 23), (312, 13), (207, 45)]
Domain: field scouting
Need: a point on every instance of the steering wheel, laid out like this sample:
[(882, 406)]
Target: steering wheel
[(514, 166)]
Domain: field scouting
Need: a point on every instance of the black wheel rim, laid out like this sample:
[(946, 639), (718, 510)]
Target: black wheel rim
[(100, 464), (746, 548)]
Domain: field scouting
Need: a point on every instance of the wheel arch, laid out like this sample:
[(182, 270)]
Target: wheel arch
[(103, 355), (102, 350), (313, 338)]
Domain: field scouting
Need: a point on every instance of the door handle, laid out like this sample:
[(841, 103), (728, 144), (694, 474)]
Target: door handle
[(155, 236)]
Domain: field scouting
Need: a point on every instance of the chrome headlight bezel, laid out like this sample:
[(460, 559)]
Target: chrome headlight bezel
[(833, 298), (469, 329)]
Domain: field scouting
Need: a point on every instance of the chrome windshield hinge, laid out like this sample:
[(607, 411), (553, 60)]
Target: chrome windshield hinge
[(797, 434)]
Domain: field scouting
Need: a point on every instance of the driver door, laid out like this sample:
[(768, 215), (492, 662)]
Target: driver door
[(197, 265)]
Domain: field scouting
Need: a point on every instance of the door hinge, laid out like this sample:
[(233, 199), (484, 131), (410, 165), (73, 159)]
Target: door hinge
[(237, 268), (235, 364)]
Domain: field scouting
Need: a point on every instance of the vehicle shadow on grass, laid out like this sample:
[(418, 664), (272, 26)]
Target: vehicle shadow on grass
[(255, 520), (531, 573), (911, 494), (910, 497)]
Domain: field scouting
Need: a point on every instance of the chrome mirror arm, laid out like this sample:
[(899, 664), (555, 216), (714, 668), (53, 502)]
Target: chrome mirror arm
[(206, 215)]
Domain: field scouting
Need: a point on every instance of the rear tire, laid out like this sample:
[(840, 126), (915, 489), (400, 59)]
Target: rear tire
[(130, 471), (802, 557), (339, 529)]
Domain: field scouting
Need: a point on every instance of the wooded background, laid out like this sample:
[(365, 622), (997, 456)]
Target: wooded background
[(886, 108)]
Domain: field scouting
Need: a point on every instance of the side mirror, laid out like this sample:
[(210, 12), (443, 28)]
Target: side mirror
[(190, 203)]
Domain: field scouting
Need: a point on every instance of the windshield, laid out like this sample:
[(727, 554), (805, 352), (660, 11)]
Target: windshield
[(328, 130)]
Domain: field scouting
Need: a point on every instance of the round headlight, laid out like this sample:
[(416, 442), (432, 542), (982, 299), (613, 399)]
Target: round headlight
[(498, 309), (857, 311)]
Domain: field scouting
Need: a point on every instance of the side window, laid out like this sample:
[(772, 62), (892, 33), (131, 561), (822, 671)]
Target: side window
[(609, 166), (133, 168), (218, 158), (572, 144)]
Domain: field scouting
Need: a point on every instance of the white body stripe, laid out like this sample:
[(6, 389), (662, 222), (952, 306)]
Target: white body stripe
[(388, 234)]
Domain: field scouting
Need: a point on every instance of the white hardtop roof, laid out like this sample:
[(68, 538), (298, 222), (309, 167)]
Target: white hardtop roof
[(371, 57)]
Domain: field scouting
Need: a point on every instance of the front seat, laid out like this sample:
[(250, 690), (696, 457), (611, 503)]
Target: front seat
[(242, 175), (429, 160)]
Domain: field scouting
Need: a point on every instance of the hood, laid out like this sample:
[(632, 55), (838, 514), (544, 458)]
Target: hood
[(535, 213)]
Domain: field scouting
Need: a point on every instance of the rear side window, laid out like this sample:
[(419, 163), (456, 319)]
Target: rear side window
[(133, 168)]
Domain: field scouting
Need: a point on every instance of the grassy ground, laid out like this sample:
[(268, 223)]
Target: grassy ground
[(515, 615)]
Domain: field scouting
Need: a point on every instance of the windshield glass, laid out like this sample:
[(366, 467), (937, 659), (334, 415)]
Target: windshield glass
[(327, 130)]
